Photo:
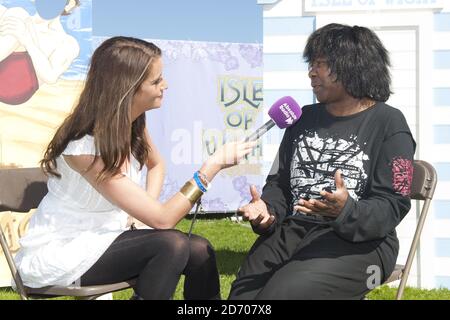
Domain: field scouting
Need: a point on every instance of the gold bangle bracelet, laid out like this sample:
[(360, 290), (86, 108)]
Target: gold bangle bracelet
[(191, 191)]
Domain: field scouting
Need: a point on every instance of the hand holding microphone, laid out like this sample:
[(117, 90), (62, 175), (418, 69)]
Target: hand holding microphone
[(231, 153), (283, 113)]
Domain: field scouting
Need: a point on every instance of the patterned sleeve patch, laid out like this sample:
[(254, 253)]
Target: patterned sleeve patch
[(402, 174)]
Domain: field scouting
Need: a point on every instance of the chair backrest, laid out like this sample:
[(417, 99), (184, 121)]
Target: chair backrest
[(424, 181), (21, 190), (423, 187)]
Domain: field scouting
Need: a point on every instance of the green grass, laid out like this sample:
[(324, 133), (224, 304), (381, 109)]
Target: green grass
[(232, 241), (388, 293)]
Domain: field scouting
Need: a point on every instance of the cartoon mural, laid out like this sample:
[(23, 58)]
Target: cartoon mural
[(45, 46), (34, 49), (44, 50)]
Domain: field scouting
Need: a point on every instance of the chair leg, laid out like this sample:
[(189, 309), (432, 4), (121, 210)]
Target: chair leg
[(401, 289)]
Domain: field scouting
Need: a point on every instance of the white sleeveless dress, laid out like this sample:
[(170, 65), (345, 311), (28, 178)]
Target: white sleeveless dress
[(72, 227)]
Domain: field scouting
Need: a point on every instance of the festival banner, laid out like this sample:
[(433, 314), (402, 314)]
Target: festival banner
[(215, 95)]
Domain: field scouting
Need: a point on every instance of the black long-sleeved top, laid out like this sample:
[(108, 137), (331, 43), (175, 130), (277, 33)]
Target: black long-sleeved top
[(374, 150)]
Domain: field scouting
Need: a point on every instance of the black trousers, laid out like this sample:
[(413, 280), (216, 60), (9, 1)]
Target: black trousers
[(158, 258), (304, 260)]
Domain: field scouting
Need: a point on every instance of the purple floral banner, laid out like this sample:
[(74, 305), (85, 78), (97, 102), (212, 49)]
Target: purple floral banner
[(215, 95)]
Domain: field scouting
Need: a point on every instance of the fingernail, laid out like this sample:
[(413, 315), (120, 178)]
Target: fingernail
[(301, 202)]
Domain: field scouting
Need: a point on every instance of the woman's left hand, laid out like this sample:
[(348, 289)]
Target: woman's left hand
[(331, 205)]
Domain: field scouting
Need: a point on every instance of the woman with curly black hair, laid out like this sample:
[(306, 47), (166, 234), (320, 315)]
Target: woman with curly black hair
[(340, 183)]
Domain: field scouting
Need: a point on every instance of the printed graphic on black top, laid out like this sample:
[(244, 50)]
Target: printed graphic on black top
[(315, 161)]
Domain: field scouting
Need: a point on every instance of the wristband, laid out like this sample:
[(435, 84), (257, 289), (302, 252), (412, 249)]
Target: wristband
[(203, 178), (199, 183)]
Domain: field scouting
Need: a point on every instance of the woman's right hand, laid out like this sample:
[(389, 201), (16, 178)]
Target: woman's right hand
[(231, 153), (226, 156)]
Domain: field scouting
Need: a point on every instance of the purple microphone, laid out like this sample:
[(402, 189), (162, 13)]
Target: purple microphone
[(283, 113)]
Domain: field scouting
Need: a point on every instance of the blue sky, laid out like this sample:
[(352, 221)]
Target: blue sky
[(196, 20)]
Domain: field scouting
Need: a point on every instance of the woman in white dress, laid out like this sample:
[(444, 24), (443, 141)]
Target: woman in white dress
[(79, 232)]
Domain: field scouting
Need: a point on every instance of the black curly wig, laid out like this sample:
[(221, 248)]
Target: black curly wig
[(356, 56)]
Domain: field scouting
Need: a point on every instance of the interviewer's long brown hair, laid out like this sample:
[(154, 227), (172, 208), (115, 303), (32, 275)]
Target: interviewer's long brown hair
[(118, 68)]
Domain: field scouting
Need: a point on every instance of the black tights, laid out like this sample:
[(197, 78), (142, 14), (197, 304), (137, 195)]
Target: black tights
[(158, 258)]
